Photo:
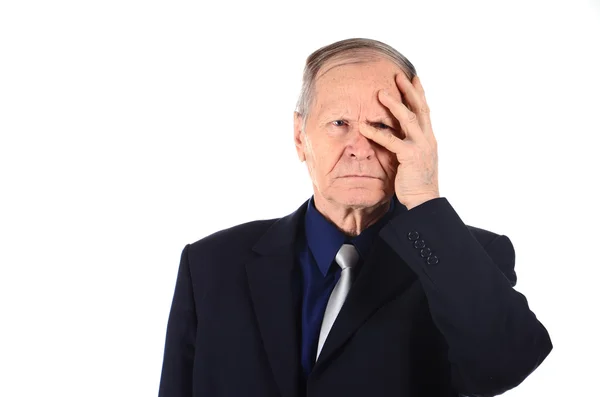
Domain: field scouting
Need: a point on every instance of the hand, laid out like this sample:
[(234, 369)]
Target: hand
[(417, 176)]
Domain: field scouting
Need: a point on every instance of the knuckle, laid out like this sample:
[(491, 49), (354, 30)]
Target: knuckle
[(412, 117), (391, 138)]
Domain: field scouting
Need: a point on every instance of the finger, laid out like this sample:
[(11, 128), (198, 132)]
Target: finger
[(409, 93), (416, 101), (419, 86), (408, 120), (383, 137), (427, 130)]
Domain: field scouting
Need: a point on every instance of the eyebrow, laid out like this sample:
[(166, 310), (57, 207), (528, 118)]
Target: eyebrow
[(341, 115)]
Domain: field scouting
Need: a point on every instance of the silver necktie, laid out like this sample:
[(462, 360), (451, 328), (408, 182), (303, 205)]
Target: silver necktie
[(346, 258)]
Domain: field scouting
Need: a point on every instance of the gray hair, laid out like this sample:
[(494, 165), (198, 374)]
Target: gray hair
[(356, 48)]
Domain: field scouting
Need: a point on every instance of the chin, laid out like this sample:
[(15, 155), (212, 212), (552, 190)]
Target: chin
[(359, 197)]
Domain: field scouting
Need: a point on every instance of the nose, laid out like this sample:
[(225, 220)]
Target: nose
[(360, 147)]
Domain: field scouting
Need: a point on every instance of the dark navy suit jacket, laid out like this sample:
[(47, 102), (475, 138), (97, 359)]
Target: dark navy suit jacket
[(432, 313)]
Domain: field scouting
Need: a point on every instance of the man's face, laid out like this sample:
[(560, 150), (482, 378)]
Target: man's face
[(346, 101)]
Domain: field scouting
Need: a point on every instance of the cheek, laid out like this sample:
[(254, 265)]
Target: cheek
[(326, 153), (388, 160)]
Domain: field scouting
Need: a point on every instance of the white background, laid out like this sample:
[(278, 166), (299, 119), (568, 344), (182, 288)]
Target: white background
[(131, 128)]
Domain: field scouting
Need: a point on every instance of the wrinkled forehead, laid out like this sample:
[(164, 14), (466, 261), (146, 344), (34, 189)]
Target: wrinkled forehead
[(364, 56), (354, 80)]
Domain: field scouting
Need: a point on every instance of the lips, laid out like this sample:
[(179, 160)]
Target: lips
[(359, 176)]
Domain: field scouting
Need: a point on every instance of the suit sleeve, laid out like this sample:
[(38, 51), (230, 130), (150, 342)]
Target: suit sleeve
[(494, 340), (178, 359)]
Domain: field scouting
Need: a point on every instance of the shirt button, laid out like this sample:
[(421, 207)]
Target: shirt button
[(413, 236), (425, 252)]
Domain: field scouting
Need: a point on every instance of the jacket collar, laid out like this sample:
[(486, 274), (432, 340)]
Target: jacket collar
[(324, 239), (281, 236)]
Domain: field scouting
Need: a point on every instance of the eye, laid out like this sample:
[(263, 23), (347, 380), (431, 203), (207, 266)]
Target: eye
[(381, 125), (341, 121)]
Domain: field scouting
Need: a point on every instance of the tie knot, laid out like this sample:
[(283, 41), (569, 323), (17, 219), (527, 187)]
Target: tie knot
[(347, 256)]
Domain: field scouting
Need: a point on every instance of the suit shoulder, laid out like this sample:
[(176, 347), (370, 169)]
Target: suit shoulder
[(244, 234), (218, 258)]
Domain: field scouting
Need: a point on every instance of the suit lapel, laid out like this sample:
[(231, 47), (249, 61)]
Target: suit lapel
[(271, 284)]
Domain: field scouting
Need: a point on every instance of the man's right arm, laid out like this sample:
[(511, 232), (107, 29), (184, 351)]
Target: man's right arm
[(178, 360)]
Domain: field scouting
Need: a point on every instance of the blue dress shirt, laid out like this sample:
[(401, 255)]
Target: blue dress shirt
[(322, 240)]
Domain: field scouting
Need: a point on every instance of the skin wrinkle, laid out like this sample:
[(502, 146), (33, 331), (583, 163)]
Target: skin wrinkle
[(332, 151)]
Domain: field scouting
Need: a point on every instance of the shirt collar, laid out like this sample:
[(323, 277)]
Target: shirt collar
[(324, 239)]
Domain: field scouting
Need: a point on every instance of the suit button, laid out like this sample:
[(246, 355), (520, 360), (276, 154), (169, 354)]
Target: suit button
[(432, 260), (419, 243), (413, 236), (425, 252)]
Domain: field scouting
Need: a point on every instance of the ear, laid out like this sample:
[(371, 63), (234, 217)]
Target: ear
[(299, 136)]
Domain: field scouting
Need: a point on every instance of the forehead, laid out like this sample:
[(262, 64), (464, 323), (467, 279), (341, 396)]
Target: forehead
[(348, 82)]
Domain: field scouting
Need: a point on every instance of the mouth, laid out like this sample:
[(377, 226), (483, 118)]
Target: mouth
[(359, 176)]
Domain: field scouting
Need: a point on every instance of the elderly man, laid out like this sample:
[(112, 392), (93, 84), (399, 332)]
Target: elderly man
[(374, 286)]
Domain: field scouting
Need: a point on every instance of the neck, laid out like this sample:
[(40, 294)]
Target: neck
[(351, 219)]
